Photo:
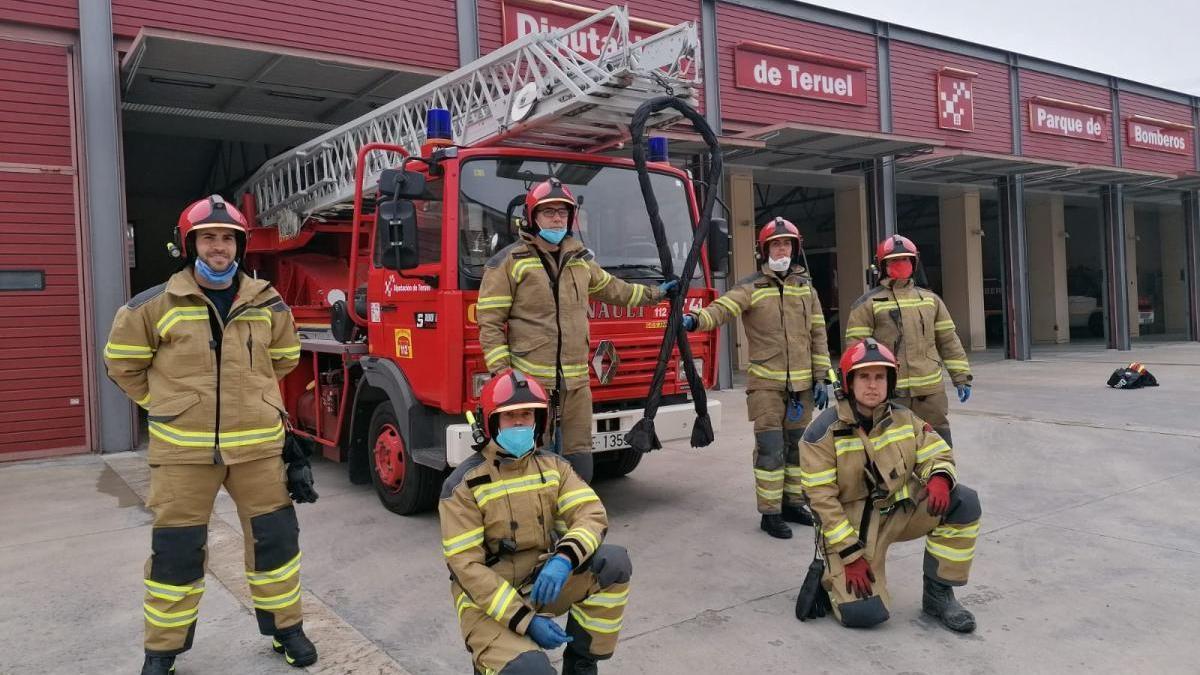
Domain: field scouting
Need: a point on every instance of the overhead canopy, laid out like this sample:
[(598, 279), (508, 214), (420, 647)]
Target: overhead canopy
[(1089, 177), (967, 166), (815, 148), (187, 85), (690, 142), (1184, 181)]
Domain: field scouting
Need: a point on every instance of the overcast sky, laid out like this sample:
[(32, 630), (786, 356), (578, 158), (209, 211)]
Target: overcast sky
[(1151, 41)]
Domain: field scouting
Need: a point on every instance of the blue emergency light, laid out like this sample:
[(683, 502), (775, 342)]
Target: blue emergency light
[(658, 148), (437, 124)]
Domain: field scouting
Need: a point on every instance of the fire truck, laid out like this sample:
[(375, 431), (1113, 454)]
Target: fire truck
[(377, 234)]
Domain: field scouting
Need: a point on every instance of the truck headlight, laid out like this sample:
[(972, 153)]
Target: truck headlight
[(681, 374)]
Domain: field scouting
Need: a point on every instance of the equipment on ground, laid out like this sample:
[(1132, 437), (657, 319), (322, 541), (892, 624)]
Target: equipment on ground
[(1132, 376)]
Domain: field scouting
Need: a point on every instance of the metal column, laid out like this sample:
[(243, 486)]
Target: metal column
[(880, 177), (712, 113), (1015, 281), (1191, 234), (1112, 207), (105, 207), (467, 15)]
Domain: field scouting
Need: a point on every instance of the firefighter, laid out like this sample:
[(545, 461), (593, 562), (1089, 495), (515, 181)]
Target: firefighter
[(789, 357), (533, 312), (203, 353), (876, 474), (523, 537), (915, 324)]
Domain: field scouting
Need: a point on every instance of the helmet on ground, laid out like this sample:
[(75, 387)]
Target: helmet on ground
[(512, 390), (550, 191), (779, 228), (867, 352), (211, 212)]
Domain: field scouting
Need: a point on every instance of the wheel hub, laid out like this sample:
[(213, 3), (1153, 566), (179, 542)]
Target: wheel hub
[(389, 457)]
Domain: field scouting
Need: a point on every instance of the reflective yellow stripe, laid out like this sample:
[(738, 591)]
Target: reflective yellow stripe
[(112, 350), (939, 465), (820, 361), (605, 278), (574, 498), (501, 600), (923, 380), (932, 450), (794, 472), (895, 435), (486, 493), (956, 366), (531, 368), (177, 314), (170, 592), (757, 370), (619, 599), (838, 533), (170, 620), (594, 625), (282, 573), (731, 306), (462, 542), (769, 494), (204, 439), (635, 298), (858, 332), (587, 539), (764, 474), (942, 326), (494, 302), (797, 291), (463, 603), (844, 445), (792, 489), (818, 319), (902, 303), (278, 601), (521, 267), (706, 320), (948, 553), (818, 477), (762, 294), (278, 353), (144, 401), (495, 354), (254, 314), (171, 615), (956, 531)]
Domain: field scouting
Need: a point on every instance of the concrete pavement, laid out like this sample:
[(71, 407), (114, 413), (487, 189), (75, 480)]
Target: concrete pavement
[(1089, 557)]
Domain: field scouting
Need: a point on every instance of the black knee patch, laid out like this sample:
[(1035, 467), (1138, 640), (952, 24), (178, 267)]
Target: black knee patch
[(582, 463), (178, 554), (276, 538), (794, 437), (611, 565), (944, 432), (529, 663), (863, 613), (770, 450), (964, 506)]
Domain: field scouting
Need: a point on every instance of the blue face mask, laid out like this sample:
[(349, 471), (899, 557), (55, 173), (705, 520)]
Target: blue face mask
[(553, 236), (213, 277), (516, 441)]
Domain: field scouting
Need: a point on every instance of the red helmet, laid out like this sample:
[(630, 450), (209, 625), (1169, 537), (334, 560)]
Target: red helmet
[(512, 390), (867, 352), (549, 192), (895, 246), (212, 211), (778, 228)]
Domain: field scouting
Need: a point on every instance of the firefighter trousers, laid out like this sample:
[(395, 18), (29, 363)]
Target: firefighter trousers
[(777, 447), (575, 421), (181, 497), (594, 598), (949, 550), (933, 408)]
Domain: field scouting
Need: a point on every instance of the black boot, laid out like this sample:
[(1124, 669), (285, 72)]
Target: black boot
[(797, 514), (295, 646), (772, 524), (158, 665), (574, 664), (938, 601)]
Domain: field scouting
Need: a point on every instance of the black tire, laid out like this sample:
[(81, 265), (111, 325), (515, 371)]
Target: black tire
[(403, 486), (620, 463)]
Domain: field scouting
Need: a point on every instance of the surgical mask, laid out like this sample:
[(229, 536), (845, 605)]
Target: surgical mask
[(208, 274), (553, 236), (900, 269), (779, 264), (516, 441)]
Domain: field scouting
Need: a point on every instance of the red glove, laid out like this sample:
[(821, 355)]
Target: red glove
[(938, 495), (859, 578)]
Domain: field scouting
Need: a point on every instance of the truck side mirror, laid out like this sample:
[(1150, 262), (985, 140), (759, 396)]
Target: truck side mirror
[(396, 229), (401, 184), (718, 245)]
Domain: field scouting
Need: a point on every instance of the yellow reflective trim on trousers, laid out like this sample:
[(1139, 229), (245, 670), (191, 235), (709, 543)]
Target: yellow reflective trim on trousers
[(463, 603), (501, 600), (203, 439), (278, 601), (463, 542), (792, 489), (818, 477), (956, 366), (495, 354), (174, 593), (151, 617), (769, 494), (956, 531), (942, 326), (903, 303), (844, 445), (794, 472), (178, 314), (619, 599), (923, 380), (838, 533), (895, 435), (764, 474), (494, 302), (594, 625), (605, 278), (282, 573), (858, 332), (282, 353), (171, 615), (950, 554), (932, 450), (589, 540), (112, 350), (574, 498), (731, 306), (635, 298), (486, 493)]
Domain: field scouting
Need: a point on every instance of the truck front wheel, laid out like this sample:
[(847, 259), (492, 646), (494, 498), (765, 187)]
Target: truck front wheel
[(403, 486), (620, 463)]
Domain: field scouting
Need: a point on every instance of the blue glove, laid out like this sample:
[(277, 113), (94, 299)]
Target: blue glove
[(820, 396), (964, 392), (550, 580), (688, 322), (667, 286), (546, 633), (795, 409)]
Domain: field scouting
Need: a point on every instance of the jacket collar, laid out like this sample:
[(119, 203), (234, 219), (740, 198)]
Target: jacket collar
[(895, 284), (797, 273), (183, 284)]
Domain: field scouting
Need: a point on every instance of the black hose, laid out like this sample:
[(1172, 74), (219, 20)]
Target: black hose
[(642, 436)]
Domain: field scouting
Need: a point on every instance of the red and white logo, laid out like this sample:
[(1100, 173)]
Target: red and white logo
[(956, 103)]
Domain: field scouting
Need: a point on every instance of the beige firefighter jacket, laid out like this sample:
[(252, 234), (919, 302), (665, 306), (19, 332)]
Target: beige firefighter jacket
[(784, 324), (205, 405), (517, 294), (903, 453), (916, 325), (502, 517)]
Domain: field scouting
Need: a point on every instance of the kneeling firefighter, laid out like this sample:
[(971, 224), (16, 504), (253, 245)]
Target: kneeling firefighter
[(876, 474), (789, 356), (522, 535)]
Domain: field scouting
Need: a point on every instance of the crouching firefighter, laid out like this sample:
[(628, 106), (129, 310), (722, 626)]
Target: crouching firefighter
[(523, 537), (789, 356), (203, 354), (876, 474)]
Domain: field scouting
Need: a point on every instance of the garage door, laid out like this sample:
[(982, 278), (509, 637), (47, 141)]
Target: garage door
[(43, 399)]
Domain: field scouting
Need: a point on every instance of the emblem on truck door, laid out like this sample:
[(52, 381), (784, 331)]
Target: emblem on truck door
[(605, 361)]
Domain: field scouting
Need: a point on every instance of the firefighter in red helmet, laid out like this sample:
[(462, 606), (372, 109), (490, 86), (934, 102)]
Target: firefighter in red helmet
[(533, 312), (916, 325), (523, 537), (875, 473), (789, 359), (203, 353)]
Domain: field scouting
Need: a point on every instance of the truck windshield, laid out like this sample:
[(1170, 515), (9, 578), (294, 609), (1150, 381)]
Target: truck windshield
[(612, 218)]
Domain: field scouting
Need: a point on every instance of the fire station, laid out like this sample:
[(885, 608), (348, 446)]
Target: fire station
[(1051, 204)]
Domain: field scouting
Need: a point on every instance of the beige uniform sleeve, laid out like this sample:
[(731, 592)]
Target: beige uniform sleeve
[(129, 353), (463, 547), (285, 342), (725, 308), (580, 513), (950, 347), (491, 311), (615, 291), (818, 340), (933, 454), (860, 324), (819, 479)]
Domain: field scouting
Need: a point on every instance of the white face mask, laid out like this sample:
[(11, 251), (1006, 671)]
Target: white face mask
[(779, 264)]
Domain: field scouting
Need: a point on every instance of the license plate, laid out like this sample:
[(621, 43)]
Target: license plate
[(608, 440)]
